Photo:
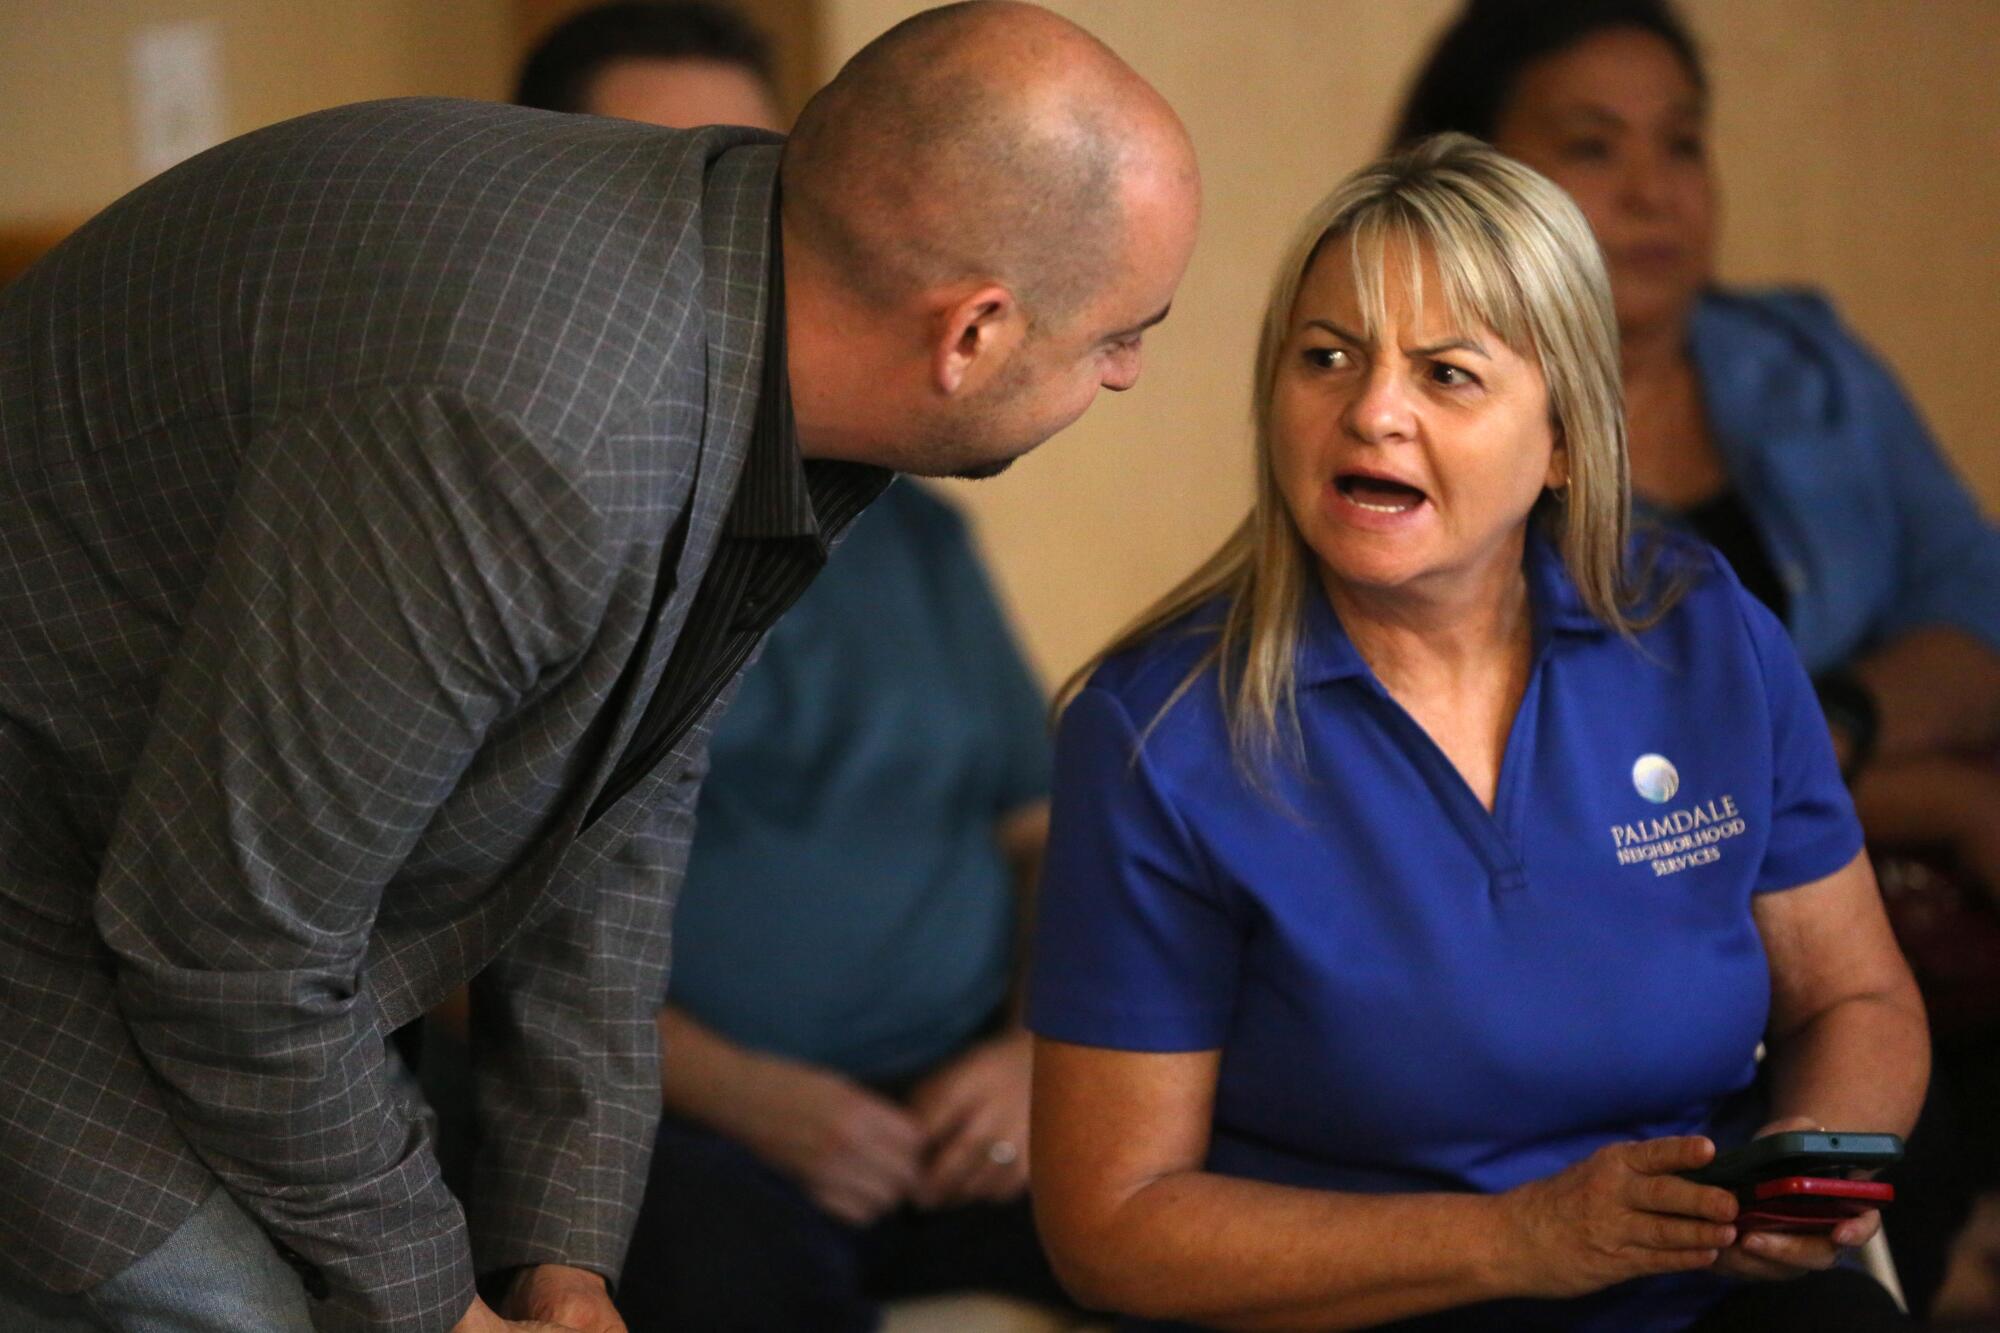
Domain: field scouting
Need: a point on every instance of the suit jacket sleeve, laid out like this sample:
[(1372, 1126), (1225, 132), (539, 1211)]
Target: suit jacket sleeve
[(396, 573), (566, 1055)]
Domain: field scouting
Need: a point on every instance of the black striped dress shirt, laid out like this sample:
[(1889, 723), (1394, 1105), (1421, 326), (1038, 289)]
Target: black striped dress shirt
[(783, 522)]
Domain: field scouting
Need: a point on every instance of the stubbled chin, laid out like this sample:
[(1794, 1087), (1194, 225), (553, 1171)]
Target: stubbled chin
[(981, 471), (958, 460)]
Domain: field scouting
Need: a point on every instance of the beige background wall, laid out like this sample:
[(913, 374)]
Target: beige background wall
[(64, 103), (1858, 142), (1859, 149)]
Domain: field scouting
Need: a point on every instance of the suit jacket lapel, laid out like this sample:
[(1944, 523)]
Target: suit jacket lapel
[(736, 234), (736, 222)]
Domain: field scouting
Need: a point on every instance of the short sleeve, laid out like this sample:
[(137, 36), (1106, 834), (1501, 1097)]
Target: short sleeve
[(1814, 830), (1133, 947), (1947, 552)]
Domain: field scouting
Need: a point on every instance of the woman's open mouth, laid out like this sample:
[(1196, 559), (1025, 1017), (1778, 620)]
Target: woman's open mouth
[(1378, 495)]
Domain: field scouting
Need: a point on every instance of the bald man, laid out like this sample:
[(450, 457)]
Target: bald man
[(390, 498), (847, 1082)]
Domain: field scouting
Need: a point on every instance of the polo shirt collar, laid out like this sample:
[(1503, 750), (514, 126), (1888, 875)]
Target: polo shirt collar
[(1327, 654), (1557, 603)]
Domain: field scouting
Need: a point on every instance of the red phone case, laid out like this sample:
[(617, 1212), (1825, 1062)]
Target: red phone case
[(1810, 1203)]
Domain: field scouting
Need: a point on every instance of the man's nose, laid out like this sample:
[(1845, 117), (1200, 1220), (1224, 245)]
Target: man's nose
[(1122, 372)]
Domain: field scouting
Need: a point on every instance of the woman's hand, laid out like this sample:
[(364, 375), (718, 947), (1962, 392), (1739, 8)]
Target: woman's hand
[(1621, 1213), (1777, 1256)]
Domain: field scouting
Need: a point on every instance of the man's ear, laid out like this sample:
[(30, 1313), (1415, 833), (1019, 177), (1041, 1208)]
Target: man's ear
[(973, 337)]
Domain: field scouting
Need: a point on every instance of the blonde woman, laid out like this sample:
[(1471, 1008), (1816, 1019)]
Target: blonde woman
[(1427, 869)]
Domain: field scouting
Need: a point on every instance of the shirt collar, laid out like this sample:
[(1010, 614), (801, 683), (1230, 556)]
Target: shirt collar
[(774, 497), (1553, 594), (1327, 654)]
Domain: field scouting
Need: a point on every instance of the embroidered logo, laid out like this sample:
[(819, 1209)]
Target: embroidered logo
[(1656, 778)]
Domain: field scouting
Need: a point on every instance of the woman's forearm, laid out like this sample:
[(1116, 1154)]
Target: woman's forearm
[(1862, 1065), (1849, 1045), (1935, 688), (1242, 1254)]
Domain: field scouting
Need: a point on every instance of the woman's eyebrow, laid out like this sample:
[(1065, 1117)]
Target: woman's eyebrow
[(1338, 332), (1452, 345), (1472, 345)]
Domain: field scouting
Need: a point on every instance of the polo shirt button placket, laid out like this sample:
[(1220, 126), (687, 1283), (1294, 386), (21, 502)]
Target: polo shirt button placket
[(1481, 828)]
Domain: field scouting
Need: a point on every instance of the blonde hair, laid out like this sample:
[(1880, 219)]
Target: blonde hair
[(1512, 253)]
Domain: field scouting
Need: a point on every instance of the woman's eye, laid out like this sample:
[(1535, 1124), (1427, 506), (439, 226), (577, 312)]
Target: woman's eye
[(1451, 376), (1587, 150), (1326, 358), (1688, 147)]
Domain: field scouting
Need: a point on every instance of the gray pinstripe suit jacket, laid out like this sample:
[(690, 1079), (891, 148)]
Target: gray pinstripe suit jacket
[(338, 470)]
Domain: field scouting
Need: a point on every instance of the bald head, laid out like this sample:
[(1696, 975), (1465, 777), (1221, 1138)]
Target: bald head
[(986, 140)]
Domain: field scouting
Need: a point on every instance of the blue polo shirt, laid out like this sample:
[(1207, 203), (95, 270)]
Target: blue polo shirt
[(1411, 993), (846, 903)]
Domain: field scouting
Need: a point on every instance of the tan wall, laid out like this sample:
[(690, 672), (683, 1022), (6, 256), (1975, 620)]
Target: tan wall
[(1859, 148), (1859, 145), (64, 131)]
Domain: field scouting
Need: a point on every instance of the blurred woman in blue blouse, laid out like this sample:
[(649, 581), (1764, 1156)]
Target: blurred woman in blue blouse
[(1757, 419)]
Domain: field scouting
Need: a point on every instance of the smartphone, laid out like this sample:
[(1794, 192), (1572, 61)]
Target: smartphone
[(1798, 1152), (1810, 1203)]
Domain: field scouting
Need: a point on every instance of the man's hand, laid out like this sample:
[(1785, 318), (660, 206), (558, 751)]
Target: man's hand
[(479, 1318), (556, 1296), (974, 1113), (856, 1153)]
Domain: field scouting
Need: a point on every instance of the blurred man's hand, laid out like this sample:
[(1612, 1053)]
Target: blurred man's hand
[(855, 1152), (974, 1113)]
